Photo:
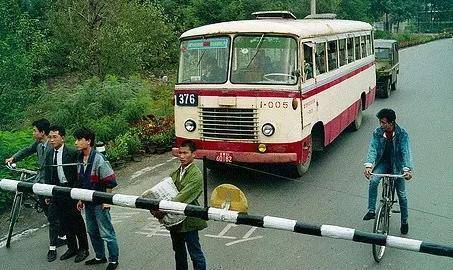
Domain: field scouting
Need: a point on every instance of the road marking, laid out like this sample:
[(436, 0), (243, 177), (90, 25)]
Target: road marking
[(21, 235), (147, 169), (244, 238)]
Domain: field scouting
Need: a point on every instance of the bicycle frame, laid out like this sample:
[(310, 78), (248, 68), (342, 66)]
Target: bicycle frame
[(382, 220), (19, 199)]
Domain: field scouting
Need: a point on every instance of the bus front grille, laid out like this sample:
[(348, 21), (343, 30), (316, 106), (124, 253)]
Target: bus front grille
[(229, 124)]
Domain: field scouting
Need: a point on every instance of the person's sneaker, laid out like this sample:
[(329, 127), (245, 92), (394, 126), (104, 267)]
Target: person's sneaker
[(112, 266), (96, 261), (81, 255), (404, 228), (51, 255), (369, 215)]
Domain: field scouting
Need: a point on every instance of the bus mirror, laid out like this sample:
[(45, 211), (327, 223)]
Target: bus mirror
[(296, 73)]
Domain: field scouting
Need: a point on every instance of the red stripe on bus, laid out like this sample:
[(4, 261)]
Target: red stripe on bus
[(273, 93)]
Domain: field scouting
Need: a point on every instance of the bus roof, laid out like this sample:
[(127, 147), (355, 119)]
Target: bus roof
[(301, 28)]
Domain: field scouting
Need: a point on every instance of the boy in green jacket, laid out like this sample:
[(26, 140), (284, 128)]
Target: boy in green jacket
[(189, 181)]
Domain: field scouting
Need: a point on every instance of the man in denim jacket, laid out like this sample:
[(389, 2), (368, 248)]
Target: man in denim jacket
[(389, 152)]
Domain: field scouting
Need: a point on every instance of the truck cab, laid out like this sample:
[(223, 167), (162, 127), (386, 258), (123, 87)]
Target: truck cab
[(387, 66)]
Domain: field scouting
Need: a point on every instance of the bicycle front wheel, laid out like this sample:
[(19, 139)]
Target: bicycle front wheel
[(381, 226), (14, 216)]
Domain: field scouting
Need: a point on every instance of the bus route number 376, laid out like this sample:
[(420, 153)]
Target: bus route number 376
[(187, 99)]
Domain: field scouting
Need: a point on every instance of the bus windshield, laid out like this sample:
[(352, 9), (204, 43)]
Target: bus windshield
[(204, 60), (264, 59), (382, 53)]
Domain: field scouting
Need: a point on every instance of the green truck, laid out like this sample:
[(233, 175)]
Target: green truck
[(387, 66)]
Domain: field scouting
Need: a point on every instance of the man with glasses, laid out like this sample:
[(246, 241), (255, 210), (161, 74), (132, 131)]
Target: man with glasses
[(389, 152)]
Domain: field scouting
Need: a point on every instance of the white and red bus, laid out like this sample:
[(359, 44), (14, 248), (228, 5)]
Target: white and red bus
[(273, 89)]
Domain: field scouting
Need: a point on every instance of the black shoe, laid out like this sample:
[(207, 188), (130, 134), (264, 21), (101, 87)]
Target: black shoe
[(369, 215), (68, 254), (112, 266), (96, 261), (404, 228), (51, 255), (81, 255), (60, 242)]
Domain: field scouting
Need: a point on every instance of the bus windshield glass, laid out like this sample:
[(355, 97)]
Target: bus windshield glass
[(264, 60), (204, 60), (382, 53)]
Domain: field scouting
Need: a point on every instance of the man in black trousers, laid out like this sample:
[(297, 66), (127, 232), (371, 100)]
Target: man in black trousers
[(41, 146), (61, 170)]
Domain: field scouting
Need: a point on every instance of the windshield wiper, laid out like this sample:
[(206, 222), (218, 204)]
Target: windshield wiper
[(202, 54), (257, 50)]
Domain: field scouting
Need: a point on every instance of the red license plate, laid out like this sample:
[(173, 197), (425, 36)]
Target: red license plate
[(224, 157)]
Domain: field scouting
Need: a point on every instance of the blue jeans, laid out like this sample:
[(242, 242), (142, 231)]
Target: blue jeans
[(100, 229), (179, 242), (399, 186)]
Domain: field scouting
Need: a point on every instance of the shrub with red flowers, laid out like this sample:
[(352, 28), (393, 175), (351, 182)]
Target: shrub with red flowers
[(155, 133)]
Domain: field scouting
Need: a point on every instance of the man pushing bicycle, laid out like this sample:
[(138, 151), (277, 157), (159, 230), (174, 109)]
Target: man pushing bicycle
[(389, 152)]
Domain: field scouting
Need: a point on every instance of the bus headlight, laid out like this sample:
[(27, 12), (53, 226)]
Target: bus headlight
[(190, 125), (268, 129)]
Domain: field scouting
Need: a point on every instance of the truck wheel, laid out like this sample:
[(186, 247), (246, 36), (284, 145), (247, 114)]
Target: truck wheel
[(394, 85), (385, 91)]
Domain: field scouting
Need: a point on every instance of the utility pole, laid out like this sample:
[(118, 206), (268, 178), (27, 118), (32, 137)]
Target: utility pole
[(313, 7)]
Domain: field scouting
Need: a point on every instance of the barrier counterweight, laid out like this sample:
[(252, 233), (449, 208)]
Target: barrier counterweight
[(210, 213)]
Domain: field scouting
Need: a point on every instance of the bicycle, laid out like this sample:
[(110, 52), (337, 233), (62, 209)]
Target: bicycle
[(20, 198), (382, 220)]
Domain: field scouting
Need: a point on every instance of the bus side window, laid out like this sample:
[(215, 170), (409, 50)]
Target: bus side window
[(363, 46), (368, 45), (320, 57), (357, 48), (308, 62), (350, 46), (332, 54), (342, 51)]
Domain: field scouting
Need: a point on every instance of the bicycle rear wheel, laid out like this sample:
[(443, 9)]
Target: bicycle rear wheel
[(381, 226), (15, 210)]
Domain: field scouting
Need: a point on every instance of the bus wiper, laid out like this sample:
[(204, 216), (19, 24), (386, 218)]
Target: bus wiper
[(202, 54), (257, 50)]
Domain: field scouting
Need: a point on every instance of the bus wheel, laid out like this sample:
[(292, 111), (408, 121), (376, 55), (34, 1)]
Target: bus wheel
[(385, 92), (302, 167), (358, 118)]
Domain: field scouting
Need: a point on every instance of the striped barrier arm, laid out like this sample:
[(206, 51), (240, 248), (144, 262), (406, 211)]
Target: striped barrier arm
[(217, 214)]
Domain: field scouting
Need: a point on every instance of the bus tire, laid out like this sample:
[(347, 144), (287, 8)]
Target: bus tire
[(302, 167), (357, 123), (394, 85), (385, 91)]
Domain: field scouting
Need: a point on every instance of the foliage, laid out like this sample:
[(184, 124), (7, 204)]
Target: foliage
[(23, 49), (124, 145), (117, 37), (11, 142)]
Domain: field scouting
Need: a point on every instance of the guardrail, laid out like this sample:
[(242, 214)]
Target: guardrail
[(210, 213)]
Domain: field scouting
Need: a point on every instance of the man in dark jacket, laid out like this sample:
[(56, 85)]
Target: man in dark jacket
[(61, 170), (41, 146)]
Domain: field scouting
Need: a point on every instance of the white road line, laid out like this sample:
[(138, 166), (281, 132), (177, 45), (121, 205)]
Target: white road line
[(21, 235), (147, 169)]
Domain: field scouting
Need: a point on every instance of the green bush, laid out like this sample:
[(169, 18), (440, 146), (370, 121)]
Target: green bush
[(11, 142), (124, 146)]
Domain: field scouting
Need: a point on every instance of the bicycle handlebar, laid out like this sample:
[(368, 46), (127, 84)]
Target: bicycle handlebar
[(13, 167), (388, 175)]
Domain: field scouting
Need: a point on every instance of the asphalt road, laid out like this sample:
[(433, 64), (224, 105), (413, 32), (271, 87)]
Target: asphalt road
[(332, 192)]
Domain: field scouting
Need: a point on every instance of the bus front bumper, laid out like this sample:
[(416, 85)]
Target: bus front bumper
[(243, 157)]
